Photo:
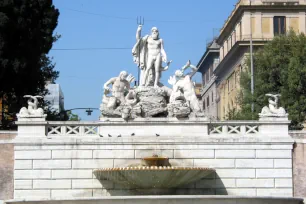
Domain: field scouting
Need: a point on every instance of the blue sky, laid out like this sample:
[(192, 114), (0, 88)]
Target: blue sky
[(185, 27)]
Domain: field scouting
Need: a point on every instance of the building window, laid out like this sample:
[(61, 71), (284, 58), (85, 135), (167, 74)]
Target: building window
[(212, 97), (229, 41), (279, 24), (228, 86), (204, 105), (204, 81), (240, 31), (234, 37), (236, 80), (207, 101), (207, 76), (223, 52), (211, 70), (216, 63)]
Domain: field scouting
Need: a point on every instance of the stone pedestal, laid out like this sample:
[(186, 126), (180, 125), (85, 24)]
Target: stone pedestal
[(31, 126), (274, 126)]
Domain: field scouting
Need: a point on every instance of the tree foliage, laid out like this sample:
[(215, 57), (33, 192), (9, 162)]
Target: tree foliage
[(73, 117), (26, 37), (279, 67)]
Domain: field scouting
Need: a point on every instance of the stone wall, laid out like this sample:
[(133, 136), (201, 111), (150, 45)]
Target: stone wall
[(63, 167), (299, 163), (6, 164)]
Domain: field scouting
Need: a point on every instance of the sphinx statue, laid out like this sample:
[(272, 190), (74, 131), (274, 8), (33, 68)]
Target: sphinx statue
[(32, 109), (272, 110)]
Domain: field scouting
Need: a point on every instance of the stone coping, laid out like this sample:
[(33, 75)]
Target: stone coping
[(205, 199), (154, 168), (120, 121), (31, 116), (8, 132), (25, 122), (297, 132), (76, 140), (300, 141)]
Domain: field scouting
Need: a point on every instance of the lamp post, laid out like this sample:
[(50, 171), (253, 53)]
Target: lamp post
[(88, 111), (251, 58)]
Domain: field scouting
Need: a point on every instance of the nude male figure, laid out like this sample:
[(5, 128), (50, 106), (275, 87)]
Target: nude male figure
[(120, 84), (154, 54)]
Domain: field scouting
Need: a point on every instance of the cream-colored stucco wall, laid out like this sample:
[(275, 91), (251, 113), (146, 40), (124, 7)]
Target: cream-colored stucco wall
[(229, 92), (261, 24), (259, 2)]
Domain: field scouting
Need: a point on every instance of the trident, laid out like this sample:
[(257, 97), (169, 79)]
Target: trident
[(140, 21)]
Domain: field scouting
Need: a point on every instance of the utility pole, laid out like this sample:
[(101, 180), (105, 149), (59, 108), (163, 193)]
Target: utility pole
[(251, 58)]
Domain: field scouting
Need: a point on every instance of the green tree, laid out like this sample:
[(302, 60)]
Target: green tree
[(280, 67), (26, 37), (73, 117)]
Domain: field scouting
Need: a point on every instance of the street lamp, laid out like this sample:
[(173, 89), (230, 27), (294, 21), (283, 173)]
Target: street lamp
[(88, 111), (251, 58)]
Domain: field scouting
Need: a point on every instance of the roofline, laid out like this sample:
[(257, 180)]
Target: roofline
[(209, 84), (206, 53), (227, 27)]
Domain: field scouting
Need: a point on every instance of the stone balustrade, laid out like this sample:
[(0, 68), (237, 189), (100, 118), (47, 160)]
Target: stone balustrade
[(154, 127), (234, 128), (249, 128), (72, 129)]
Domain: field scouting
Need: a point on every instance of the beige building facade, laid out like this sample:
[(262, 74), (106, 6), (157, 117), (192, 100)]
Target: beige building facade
[(261, 19)]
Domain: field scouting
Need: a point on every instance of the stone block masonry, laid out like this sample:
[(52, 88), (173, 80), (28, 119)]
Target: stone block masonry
[(63, 167), (299, 164), (7, 164)]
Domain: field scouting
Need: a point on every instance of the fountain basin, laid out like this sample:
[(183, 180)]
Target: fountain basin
[(153, 177), (156, 160)]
